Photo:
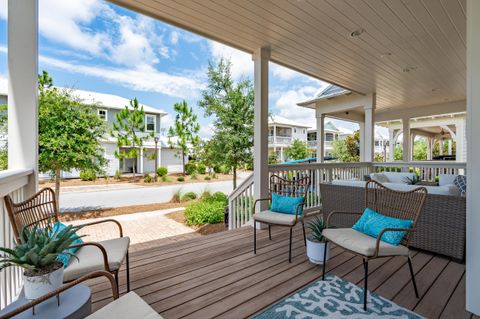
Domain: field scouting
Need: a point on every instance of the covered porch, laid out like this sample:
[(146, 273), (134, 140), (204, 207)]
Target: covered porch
[(391, 74)]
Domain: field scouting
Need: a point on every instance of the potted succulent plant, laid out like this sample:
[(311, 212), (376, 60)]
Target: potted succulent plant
[(38, 253), (316, 243)]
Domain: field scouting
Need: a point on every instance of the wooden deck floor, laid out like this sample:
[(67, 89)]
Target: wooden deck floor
[(218, 276)]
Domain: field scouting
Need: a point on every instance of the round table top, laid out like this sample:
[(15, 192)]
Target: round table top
[(74, 303)]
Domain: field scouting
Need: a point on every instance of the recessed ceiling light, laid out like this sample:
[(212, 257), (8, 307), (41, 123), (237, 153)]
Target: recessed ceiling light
[(357, 33), (408, 69)]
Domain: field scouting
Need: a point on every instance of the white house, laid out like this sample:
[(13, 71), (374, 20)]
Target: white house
[(107, 106), (282, 132)]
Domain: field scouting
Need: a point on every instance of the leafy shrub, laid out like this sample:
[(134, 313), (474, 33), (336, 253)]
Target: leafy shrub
[(181, 179), (204, 212), (205, 194), (165, 178), (201, 168), (88, 175), (219, 197), (177, 197), (189, 196), (194, 176), (222, 169), (190, 168), (118, 174), (147, 178), (207, 178), (214, 175), (162, 171)]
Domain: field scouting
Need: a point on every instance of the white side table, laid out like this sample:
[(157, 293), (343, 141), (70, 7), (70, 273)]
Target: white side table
[(75, 303)]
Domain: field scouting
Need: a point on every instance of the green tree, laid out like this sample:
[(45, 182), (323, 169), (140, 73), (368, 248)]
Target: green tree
[(231, 105), (69, 132), (420, 150), (298, 150), (130, 131), (398, 153), (273, 157), (347, 150), (186, 128)]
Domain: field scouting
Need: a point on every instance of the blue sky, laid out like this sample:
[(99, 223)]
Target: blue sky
[(95, 45)]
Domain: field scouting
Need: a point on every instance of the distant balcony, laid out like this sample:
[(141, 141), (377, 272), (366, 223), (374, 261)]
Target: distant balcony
[(314, 143), (280, 140)]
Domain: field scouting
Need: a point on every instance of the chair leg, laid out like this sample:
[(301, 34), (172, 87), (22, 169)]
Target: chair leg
[(413, 276), (324, 260), (290, 247), (128, 272), (304, 235), (270, 232), (365, 288), (254, 237), (116, 281)]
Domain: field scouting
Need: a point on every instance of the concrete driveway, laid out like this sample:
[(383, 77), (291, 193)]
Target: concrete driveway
[(87, 199)]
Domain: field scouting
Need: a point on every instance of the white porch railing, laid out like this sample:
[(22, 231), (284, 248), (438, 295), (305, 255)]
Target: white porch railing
[(241, 200), (12, 182)]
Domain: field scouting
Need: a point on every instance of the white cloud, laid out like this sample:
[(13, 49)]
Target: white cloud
[(174, 37), (167, 122), (206, 131), (142, 78), (242, 64), (286, 105), (3, 9), (283, 73)]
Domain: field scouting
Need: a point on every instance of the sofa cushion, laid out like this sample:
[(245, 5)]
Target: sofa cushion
[(397, 177), (344, 182), (362, 244), (437, 190), (379, 177), (446, 179)]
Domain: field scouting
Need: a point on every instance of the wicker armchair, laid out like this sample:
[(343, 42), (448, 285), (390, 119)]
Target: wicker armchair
[(106, 255), (281, 186), (402, 205)]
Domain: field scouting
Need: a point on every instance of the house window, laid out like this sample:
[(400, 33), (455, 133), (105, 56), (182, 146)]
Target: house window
[(150, 120), (102, 114), (294, 130), (328, 137), (304, 131)]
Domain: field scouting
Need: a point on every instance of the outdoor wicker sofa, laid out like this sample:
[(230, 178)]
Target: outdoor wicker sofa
[(441, 227)]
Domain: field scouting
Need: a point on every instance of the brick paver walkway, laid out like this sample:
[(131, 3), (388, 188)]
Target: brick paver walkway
[(142, 228)]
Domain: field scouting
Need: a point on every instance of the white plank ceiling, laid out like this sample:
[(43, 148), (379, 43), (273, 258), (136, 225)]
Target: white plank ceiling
[(426, 37)]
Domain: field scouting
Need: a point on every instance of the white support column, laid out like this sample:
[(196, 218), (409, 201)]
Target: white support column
[(320, 137), (260, 158), (412, 145), (369, 136), (450, 147), (440, 147), (429, 148), (23, 88), (473, 158), (391, 144), (406, 140), (362, 141), (140, 161)]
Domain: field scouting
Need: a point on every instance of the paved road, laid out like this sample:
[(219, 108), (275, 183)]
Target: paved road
[(117, 197)]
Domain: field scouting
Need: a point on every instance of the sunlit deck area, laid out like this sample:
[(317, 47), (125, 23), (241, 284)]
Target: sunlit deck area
[(219, 276)]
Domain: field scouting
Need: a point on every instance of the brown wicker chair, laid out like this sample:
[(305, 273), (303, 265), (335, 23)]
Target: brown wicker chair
[(402, 205), (41, 209), (281, 186)]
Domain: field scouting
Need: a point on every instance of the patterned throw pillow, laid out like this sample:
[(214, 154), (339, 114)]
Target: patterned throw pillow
[(372, 223), (461, 182)]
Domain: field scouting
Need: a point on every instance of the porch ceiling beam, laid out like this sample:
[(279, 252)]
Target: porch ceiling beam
[(340, 103), (419, 111)]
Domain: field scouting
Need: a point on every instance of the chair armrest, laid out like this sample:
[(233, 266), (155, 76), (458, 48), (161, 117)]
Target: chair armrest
[(99, 246), (297, 209), (259, 200), (120, 229), (339, 213), (379, 237), (69, 285)]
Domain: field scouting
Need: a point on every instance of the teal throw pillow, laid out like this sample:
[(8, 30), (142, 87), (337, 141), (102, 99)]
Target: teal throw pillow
[(286, 204), (372, 223), (65, 258)]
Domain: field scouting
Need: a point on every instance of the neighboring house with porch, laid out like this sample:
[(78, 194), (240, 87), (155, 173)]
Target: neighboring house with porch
[(281, 134), (331, 133), (107, 106)]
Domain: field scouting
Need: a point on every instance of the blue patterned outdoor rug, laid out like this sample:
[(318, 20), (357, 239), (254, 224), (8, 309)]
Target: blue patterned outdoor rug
[(334, 298)]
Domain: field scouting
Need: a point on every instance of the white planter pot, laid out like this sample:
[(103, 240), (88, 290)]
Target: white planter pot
[(316, 250), (37, 286)]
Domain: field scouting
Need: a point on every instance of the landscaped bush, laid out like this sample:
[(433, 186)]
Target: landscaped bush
[(177, 197), (222, 169), (218, 197), (147, 178), (162, 171), (88, 175), (165, 178), (205, 194), (194, 176), (189, 196), (201, 168), (190, 168), (204, 212), (181, 179), (118, 174), (207, 178)]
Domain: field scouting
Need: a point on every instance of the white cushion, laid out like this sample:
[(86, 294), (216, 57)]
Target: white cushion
[(446, 179), (90, 258), (362, 244), (397, 177), (437, 190), (270, 217), (353, 183), (379, 177), (129, 306)]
